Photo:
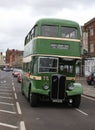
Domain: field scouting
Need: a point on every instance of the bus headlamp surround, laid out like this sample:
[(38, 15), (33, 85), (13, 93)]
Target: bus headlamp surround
[(70, 86), (46, 87)]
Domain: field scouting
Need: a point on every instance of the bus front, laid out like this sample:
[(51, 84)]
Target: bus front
[(55, 54)]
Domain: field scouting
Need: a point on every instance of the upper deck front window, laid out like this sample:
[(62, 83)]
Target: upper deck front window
[(69, 32), (49, 31)]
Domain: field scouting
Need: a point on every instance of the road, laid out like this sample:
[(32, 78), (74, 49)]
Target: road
[(16, 113)]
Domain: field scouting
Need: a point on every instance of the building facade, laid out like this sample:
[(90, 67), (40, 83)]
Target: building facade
[(90, 31), (14, 58), (89, 38), (1, 59)]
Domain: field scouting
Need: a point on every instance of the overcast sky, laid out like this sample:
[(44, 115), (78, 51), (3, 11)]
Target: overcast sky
[(18, 16)]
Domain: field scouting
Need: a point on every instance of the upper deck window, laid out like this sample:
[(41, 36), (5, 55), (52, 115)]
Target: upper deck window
[(68, 32), (33, 33), (50, 31)]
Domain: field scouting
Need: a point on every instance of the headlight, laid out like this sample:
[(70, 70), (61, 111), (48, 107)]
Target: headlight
[(46, 87), (70, 86)]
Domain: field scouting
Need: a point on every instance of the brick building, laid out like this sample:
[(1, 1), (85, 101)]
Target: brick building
[(89, 39), (90, 32), (14, 58)]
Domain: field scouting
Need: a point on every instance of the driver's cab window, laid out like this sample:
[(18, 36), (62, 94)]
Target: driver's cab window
[(66, 68)]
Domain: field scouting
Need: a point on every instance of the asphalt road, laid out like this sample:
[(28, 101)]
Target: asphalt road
[(16, 113)]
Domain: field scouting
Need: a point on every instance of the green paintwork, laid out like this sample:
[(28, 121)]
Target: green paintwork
[(78, 89)]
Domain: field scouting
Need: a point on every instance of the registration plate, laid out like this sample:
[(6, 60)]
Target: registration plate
[(57, 100)]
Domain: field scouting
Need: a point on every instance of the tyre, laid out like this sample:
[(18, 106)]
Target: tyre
[(76, 101), (92, 83), (33, 100), (89, 83)]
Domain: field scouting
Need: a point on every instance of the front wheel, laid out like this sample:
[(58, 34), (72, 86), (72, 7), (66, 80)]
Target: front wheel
[(92, 82), (76, 101), (33, 99)]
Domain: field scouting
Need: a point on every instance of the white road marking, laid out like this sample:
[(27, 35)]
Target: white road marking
[(13, 88), (10, 112), (93, 99), (12, 83), (7, 125), (5, 93), (5, 90), (5, 103), (15, 96), (6, 97), (22, 125), (82, 112), (3, 87), (3, 81), (18, 108)]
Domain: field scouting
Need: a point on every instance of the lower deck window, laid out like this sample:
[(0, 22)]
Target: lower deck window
[(48, 64)]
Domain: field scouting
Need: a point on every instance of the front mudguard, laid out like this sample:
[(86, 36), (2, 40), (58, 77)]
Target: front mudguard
[(77, 90), (38, 89)]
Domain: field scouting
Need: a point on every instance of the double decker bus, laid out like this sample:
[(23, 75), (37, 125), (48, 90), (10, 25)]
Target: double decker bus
[(52, 51)]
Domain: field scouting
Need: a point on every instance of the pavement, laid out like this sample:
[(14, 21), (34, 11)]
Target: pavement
[(88, 90)]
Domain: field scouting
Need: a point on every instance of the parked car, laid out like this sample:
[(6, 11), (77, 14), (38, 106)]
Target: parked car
[(19, 78), (16, 72), (91, 79), (8, 69)]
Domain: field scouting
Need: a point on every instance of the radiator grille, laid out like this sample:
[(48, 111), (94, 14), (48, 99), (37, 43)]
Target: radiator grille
[(58, 87)]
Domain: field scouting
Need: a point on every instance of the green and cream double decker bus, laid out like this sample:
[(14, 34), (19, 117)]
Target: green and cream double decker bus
[(51, 52)]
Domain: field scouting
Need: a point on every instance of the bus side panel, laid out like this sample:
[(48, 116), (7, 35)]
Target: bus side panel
[(25, 85)]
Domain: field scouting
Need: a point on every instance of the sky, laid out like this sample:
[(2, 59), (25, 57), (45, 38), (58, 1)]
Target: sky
[(17, 17)]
